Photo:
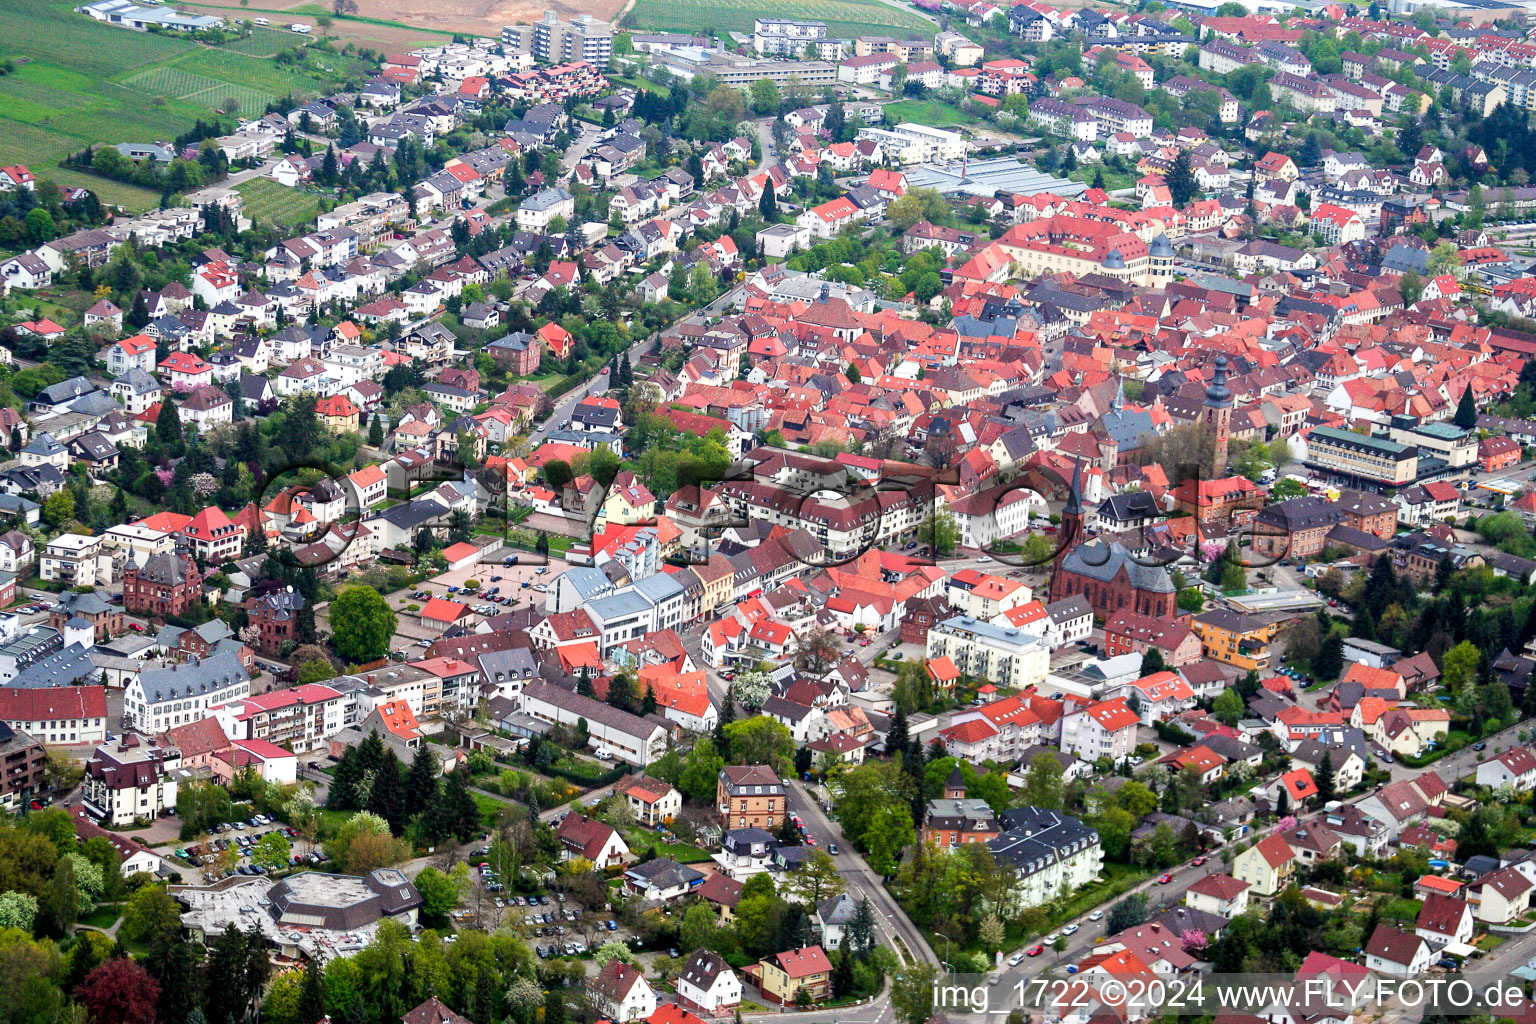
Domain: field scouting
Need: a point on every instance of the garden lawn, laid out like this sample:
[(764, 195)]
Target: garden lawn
[(491, 809), (842, 17), (104, 916), (642, 841), (935, 113)]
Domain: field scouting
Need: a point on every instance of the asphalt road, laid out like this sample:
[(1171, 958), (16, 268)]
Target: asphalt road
[(891, 923), (566, 403)]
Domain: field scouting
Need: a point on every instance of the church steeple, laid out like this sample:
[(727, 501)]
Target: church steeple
[(1074, 505), (1217, 415), (1071, 534)]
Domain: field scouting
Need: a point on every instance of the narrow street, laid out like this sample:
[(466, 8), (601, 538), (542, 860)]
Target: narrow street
[(892, 924)]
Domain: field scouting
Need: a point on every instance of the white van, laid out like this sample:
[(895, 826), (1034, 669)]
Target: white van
[(302, 30), (261, 21)]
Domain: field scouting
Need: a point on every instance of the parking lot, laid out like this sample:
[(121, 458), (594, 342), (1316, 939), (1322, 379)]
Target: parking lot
[(508, 582), (555, 923), (242, 837)]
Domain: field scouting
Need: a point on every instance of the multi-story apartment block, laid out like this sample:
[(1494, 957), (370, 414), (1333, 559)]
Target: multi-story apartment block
[(131, 780), (1002, 655), (76, 561), (1049, 853), (301, 718), (560, 42), (783, 37), (1370, 461)]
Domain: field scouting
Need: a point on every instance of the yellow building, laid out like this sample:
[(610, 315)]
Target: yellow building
[(783, 976), (1236, 639), (628, 500), (1267, 866)]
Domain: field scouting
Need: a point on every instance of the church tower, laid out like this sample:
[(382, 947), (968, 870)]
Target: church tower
[(1217, 415), (1072, 529)]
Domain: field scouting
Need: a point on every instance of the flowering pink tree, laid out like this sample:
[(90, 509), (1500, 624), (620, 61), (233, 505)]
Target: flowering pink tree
[(1286, 823), (1193, 939)]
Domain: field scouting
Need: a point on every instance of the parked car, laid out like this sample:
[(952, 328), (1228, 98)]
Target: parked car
[(1036, 950), (1016, 959)]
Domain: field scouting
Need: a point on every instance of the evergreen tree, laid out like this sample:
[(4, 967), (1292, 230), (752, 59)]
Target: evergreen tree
[(842, 974), (1324, 777), (421, 783), (168, 426), (387, 796), (1466, 410), (1311, 152), (896, 735), (1182, 186), (1444, 570), (860, 936), (768, 205), (138, 314), (239, 961), (177, 964), (1528, 373), (312, 993), (1329, 660), (727, 716), (621, 693), (375, 432), (461, 815), (648, 702), (370, 752)]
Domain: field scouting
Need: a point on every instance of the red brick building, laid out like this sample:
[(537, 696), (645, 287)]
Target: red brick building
[(276, 616), (1105, 574), (922, 613), (1218, 501), (1370, 513), (1111, 580), (168, 584)]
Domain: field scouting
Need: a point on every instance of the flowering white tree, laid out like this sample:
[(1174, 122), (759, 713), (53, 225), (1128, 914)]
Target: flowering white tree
[(752, 689)]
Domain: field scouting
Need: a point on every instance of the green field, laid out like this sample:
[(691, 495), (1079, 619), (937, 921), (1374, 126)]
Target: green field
[(264, 42), (843, 17), (266, 200), (79, 82), (934, 113)]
